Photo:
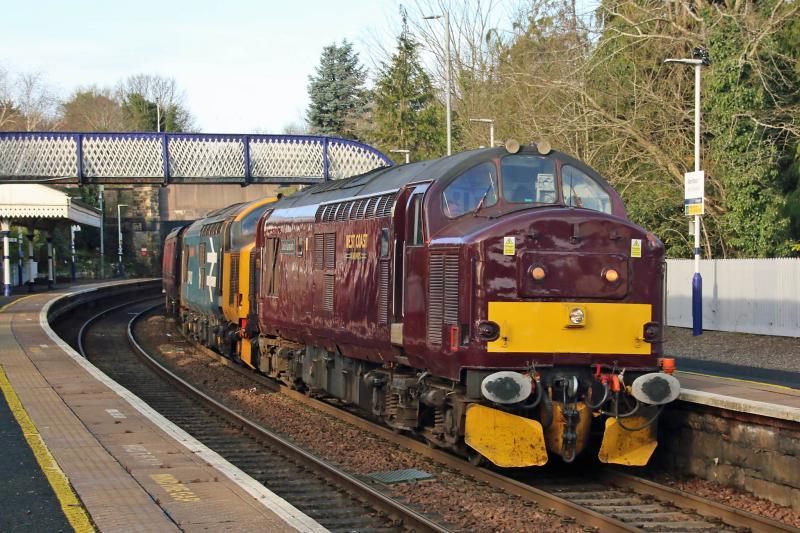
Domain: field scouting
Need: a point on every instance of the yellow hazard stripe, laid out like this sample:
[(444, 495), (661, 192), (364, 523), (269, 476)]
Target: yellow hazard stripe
[(9, 304), (73, 508)]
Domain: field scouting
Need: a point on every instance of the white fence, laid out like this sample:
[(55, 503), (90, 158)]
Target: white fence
[(746, 295)]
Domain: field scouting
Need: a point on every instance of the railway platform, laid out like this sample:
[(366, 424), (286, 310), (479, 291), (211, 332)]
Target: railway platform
[(741, 396), (111, 463)]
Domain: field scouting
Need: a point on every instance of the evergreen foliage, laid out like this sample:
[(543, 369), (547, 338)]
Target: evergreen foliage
[(407, 114), (601, 91), (337, 93), (141, 114)]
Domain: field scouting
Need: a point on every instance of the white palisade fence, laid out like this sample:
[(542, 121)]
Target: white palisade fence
[(746, 295)]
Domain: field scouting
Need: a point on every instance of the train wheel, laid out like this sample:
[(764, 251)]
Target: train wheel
[(475, 458)]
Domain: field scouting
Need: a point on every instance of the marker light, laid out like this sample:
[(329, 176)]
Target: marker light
[(611, 275), (576, 316), (538, 273)]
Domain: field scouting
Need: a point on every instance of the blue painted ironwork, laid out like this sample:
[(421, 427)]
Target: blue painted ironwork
[(165, 157), (697, 304), (29, 157), (325, 161), (79, 147), (247, 169)]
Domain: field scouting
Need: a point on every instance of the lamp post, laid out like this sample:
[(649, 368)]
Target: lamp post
[(119, 238), (701, 58), (402, 151), (72, 230), (158, 114), (446, 16), (101, 194), (490, 122)]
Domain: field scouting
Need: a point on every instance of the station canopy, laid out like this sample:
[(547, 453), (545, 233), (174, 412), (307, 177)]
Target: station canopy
[(42, 207)]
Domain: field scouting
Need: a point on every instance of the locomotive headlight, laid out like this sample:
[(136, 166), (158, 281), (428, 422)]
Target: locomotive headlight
[(611, 275), (488, 331), (538, 273), (577, 316)]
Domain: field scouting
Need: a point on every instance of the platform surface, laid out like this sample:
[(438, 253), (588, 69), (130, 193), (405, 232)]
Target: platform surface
[(27, 501), (131, 469), (740, 395)]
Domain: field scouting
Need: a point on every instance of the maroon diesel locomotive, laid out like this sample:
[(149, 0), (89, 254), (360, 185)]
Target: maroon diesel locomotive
[(497, 302)]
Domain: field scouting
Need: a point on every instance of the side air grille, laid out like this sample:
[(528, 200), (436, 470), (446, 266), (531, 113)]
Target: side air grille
[(361, 207), (330, 251), (234, 284), (372, 207), (383, 292), (384, 208), (318, 251), (442, 295), (327, 292), (254, 282)]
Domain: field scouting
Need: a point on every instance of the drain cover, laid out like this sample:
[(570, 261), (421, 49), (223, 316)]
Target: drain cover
[(400, 476)]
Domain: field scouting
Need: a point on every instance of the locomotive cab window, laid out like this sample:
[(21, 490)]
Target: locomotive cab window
[(464, 194), (415, 237), (385, 242), (580, 190), (528, 179)]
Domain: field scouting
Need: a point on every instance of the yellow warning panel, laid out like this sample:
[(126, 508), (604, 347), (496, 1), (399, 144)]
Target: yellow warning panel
[(506, 440), (630, 448), (545, 327)]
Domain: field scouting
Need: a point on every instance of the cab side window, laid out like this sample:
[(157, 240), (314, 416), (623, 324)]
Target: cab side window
[(580, 190), (415, 220), (464, 194)]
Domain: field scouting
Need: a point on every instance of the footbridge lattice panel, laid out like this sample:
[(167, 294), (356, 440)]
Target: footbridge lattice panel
[(27, 157)]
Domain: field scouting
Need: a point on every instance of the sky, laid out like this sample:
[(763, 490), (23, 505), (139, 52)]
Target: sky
[(243, 64)]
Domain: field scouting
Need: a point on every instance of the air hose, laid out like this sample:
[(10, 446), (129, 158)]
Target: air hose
[(600, 404)]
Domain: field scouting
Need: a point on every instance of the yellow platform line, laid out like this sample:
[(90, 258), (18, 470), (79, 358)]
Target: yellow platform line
[(70, 504), (9, 304), (738, 379)]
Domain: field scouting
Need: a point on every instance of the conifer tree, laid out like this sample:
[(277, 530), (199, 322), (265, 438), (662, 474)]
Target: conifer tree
[(407, 114), (337, 93)]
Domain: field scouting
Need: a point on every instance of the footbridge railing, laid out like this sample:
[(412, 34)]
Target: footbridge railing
[(148, 158)]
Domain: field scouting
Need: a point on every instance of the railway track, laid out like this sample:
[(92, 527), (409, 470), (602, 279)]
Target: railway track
[(332, 497), (609, 501)]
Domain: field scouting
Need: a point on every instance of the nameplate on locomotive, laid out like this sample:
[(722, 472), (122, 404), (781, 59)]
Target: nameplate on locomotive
[(355, 246)]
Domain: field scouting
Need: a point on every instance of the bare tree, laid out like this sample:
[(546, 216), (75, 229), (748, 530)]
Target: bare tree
[(8, 113), (36, 101), (161, 90)]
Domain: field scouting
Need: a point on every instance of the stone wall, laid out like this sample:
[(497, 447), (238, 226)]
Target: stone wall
[(759, 455)]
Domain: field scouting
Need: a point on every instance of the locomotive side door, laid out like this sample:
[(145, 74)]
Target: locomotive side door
[(408, 239)]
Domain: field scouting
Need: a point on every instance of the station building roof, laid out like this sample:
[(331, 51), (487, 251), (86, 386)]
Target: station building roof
[(42, 206)]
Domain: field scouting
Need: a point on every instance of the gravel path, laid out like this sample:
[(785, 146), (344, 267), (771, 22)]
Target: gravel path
[(763, 351)]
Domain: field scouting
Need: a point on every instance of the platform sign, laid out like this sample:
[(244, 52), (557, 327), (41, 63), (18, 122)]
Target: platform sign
[(694, 193)]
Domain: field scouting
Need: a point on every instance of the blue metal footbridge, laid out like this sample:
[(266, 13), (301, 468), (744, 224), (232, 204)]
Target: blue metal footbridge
[(167, 158)]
